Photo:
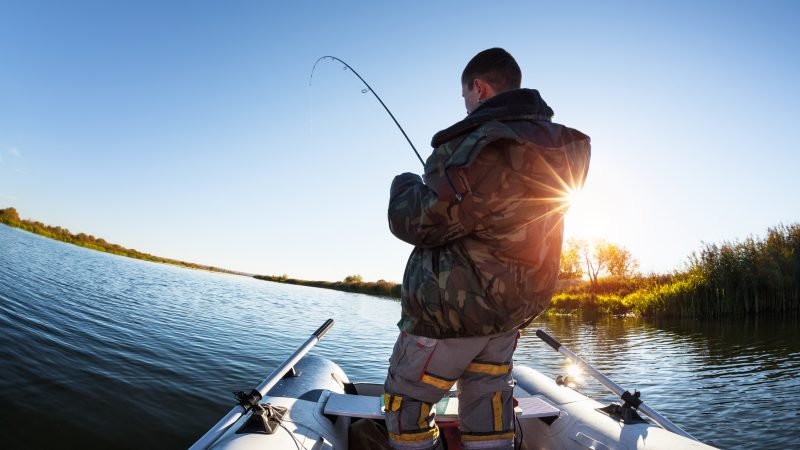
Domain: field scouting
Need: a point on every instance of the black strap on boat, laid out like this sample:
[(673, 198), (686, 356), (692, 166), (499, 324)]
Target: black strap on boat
[(264, 420), (631, 400), (626, 415), (248, 401), (627, 411)]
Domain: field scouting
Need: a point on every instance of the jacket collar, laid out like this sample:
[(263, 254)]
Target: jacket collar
[(510, 105)]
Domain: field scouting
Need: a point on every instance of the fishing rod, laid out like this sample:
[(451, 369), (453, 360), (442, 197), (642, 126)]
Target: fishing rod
[(630, 399), (364, 91), (249, 401)]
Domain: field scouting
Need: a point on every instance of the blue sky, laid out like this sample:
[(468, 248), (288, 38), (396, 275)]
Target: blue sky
[(189, 129)]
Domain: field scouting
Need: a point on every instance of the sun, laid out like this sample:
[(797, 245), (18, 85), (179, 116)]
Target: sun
[(575, 198), (580, 213)]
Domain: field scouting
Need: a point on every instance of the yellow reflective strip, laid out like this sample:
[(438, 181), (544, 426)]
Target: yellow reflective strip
[(422, 436), (491, 369), (437, 382), (424, 412), (396, 402), (487, 437), (497, 408), (392, 402)]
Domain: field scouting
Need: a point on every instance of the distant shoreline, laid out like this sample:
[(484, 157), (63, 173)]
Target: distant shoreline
[(354, 284), (10, 217), (752, 277)]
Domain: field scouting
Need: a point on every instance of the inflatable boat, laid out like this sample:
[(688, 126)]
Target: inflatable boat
[(309, 403)]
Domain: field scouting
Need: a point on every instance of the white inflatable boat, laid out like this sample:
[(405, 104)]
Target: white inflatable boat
[(309, 403)]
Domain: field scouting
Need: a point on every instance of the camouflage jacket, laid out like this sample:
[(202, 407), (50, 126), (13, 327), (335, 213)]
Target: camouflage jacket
[(487, 222)]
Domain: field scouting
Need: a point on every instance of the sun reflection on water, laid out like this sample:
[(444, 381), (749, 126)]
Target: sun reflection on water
[(574, 375)]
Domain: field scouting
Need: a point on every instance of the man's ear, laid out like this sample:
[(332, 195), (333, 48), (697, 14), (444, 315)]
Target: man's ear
[(485, 90), (478, 85)]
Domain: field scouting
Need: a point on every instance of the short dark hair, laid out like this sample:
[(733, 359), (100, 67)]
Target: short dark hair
[(496, 67)]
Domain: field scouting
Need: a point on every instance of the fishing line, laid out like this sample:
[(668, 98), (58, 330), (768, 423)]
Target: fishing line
[(364, 91)]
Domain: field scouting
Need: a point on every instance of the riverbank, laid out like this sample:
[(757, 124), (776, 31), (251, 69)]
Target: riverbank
[(759, 275), (353, 283), (750, 277), (734, 278), (10, 217)]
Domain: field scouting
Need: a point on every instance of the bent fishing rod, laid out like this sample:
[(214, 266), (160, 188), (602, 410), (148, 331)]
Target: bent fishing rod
[(369, 88)]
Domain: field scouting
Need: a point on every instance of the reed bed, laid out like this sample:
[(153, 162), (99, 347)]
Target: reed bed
[(749, 277)]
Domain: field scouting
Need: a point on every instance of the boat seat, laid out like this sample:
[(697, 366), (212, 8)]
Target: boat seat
[(370, 407)]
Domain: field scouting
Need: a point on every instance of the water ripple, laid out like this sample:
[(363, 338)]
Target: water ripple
[(111, 347)]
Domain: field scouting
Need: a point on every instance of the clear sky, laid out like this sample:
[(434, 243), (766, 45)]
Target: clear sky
[(189, 129)]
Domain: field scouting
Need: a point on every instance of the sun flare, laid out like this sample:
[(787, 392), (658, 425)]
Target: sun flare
[(574, 371), (575, 198), (574, 376)]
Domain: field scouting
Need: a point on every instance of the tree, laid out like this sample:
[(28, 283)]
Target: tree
[(353, 279), (602, 257), (620, 262), (571, 266), (9, 216)]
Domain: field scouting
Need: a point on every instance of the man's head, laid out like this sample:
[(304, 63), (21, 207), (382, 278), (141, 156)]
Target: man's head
[(487, 74)]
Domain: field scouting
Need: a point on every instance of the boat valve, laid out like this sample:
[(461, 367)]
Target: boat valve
[(565, 380)]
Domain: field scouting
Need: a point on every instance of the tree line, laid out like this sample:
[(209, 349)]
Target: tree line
[(754, 276), (351, 283), (10, 216)]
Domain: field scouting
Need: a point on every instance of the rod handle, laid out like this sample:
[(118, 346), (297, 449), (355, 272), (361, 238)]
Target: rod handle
[(323, 329), (549, 340)]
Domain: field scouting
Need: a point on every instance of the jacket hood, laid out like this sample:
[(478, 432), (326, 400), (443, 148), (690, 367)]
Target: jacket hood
[(510, 105)]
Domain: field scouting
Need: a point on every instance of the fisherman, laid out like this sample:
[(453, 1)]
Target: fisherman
[(486, 222)]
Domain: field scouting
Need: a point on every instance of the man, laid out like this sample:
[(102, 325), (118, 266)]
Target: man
[(487, 226)]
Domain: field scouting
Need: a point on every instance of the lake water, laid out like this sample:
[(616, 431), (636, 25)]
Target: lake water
[(103, 351)]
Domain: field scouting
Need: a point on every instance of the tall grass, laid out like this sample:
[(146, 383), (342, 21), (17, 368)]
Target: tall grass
[(754, 276)]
